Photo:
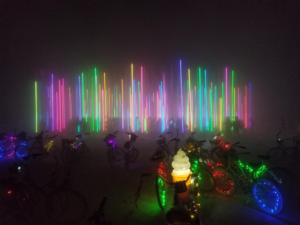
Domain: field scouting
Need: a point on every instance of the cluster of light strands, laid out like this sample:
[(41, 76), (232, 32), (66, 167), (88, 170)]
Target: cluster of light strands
[(163, 172), (95, 101), (257, 173)]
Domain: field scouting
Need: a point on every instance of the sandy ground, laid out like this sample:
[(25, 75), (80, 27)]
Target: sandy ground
[(94, 179)]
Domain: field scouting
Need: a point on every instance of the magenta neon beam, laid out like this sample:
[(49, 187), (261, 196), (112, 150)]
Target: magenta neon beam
[(52, 108), (142, 119), (59, 102), (226, 95)]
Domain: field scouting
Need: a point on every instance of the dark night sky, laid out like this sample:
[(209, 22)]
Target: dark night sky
[(258, 39)]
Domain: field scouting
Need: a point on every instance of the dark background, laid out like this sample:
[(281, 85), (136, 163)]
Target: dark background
[(258, 39)]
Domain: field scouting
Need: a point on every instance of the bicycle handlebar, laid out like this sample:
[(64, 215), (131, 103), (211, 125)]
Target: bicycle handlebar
[(174, 139)]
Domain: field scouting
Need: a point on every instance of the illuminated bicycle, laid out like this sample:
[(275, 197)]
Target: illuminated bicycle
[(115, 154), (252, 179), (7, 145), (74, 149), (43, 145)]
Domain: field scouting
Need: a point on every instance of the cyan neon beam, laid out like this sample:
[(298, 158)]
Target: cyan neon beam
[(211, 110), (200, 101)]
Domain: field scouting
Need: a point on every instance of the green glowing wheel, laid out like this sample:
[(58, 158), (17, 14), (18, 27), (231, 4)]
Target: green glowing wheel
[(206, 181), (225, 182), (160, 188)]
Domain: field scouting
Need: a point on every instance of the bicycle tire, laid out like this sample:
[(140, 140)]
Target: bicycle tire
[(225, 181), (215, 154), (60, 207), (37, 150), (292, 155), (74, 155), (276, 154), (20, 152), (2, 153), (287, 183), (87, 152), (270, 202), (10, 149), (206, 182), (115, 155), (160, 189), (64, 154)]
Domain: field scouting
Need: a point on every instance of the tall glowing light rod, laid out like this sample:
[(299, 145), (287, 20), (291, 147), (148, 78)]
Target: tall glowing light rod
[(226, 94), (181, 97), (200, 100), (52, 108), (250, 105), (36, 113)]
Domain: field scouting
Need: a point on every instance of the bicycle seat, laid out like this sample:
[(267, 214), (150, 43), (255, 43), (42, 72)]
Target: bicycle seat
[(255, 166), (264, 157)]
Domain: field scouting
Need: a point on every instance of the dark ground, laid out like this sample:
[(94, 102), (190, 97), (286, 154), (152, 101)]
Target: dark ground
[(95, 178)]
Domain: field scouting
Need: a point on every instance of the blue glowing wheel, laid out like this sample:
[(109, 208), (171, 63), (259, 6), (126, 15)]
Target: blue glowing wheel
[(21, 151), (1, 152), (267, 196)]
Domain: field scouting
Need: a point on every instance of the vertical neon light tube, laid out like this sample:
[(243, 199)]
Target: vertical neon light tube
[(70, 108), (232, 96), (216, 108), (234, 102), (139, 101), (96, 100), (157, 106), (105, 108), (241, 106), (52, 108), (79, 92), (122, 105), (82, 96), (200, 100), (190, 99), (108, 96), (161, 107), (59, 95), (246, 118), (142, 94), (226, 95), (164, 102), (99, 101), (103, 111), (131, 112), (220, 100), (238, 109), (211, 111), (134, 110), (250, 104), (206, 98), (56, 111), (64, 107), (36, 112), (223, 101), (191, 109), (181, 97)]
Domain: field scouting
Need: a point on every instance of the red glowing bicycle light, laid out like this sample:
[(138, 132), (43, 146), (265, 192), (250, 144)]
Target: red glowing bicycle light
[(9, 192)]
